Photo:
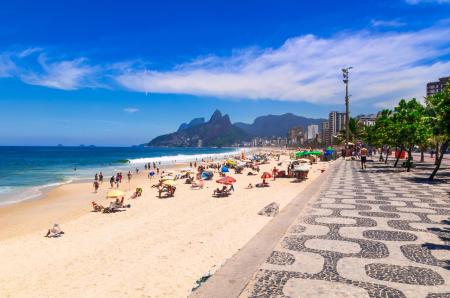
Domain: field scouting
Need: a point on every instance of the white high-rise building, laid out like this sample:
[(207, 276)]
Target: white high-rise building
[(313, 130)]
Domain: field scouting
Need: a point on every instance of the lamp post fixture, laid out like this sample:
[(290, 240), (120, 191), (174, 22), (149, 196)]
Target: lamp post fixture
[(347, 118)]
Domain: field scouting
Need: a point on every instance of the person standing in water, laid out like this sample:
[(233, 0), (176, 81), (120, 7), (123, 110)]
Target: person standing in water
[(96, 177), (100, 177)]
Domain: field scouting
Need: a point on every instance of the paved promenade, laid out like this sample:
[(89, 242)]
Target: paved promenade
[(380, 232)]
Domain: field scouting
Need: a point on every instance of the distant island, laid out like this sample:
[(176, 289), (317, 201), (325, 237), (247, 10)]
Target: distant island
[(220, 132)]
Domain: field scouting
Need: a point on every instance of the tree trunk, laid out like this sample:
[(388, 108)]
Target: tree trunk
[(436, 154), (387, 154), (409, 160), (422, 156), (441, 156), (398, 156)]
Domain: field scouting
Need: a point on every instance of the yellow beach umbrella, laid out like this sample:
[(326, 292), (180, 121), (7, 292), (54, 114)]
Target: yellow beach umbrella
[(231, 162), (115, 193), (167, 178), (169, 183)]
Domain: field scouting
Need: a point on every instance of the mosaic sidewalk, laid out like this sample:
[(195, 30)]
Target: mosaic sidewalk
[(380, 232)]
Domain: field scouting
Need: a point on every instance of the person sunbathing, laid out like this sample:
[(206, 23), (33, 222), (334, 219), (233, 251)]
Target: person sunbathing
[(97, 207), (54, 232), (137, 193), (120, 204), (196, 185), (220, 191)]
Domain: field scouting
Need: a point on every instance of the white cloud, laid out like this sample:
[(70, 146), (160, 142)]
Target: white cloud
[(7, 66), (387, 23), (66, 74), (414, 2), (387, 66), (307, 68), (131, 110)]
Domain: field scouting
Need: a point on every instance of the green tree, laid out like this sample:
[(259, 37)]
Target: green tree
[(407, 125), (438, 118)]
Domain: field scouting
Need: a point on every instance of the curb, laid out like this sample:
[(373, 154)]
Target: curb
[(232, 278)]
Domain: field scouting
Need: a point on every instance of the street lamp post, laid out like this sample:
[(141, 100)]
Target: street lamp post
[(347, 118)]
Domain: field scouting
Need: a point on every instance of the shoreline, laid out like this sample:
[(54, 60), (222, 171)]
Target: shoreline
[(164, 245), (43, 190)]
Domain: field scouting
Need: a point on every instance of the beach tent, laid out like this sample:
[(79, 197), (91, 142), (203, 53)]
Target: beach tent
[(115, 193), (329, 151), (207, 175)]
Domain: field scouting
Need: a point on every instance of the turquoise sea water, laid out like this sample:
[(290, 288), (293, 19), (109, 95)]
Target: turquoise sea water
[(26, 171)]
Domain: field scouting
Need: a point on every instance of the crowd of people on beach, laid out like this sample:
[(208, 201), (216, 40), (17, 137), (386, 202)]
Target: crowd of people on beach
[(196, 174)]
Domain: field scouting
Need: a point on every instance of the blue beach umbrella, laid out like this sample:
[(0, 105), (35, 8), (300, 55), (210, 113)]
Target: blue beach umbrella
[(224, 169)]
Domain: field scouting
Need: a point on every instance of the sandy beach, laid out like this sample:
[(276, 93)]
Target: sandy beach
[(157, 248)]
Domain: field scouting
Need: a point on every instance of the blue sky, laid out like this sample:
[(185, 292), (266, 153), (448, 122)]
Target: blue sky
[(123, 72)]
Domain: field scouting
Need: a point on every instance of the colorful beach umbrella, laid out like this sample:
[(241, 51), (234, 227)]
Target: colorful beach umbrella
[(227, 180), (115, 193), (266, 175)]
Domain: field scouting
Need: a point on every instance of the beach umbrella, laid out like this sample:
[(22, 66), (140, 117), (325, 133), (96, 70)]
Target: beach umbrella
[(241, 164), (165, 178), (227, 180), (169, 183), (266, 175), (115, 193), (231, 162), (224, 169)]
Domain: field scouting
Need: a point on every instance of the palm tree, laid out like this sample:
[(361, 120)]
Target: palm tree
[(356, 131)]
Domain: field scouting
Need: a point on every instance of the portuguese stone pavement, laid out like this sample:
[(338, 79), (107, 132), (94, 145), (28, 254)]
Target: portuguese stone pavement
[(379, 232)]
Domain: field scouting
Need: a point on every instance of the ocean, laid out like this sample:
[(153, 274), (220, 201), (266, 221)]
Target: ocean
[(25, 172)]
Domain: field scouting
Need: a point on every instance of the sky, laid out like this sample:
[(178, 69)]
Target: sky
[(118, 73)]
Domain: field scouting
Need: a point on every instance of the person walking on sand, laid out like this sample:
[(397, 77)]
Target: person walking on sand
[(117, 180), (274, 173), (363, 153), (100, 177), (96, 185), (129, 176), (111, 181)]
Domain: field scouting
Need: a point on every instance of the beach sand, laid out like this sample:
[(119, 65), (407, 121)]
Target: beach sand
[(157, 248)]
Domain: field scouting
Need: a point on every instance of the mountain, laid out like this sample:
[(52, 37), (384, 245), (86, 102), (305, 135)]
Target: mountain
[(194, 122), (276, 125), (218, 131)]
